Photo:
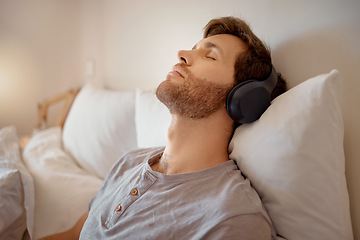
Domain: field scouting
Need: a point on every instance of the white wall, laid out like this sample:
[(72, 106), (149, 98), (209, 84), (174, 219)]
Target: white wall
[(39, 56), (141, 38)]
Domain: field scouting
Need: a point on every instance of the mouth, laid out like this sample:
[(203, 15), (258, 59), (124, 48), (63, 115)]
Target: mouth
[(177, 71)]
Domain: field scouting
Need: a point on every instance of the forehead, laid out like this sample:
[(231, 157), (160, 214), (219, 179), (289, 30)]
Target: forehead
[(228, 44)]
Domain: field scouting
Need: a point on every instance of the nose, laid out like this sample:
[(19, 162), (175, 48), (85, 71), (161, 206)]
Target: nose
[(184, 56)]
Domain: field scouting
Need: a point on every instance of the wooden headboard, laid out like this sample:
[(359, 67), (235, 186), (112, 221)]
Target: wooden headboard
[(66, 98)]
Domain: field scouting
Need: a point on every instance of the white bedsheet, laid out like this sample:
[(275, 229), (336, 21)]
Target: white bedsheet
[(63, 190)]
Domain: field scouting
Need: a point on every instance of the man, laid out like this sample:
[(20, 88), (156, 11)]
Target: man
[(189, 189)]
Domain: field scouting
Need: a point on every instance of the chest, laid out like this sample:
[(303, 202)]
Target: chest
[(144, 203)]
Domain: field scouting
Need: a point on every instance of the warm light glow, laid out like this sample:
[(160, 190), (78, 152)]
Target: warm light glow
[(17, 72), (3, 77), (1, 80), (8, 77)]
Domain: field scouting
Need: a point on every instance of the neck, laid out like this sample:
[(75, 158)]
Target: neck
[(196, 144)]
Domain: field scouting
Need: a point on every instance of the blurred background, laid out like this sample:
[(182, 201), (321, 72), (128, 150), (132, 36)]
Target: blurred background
[(50, 46)]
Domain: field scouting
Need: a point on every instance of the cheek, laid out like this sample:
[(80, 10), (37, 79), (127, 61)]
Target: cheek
[(221, 75)]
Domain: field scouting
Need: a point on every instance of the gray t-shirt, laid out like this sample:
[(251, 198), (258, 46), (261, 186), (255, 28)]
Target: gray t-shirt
[(136, 202)]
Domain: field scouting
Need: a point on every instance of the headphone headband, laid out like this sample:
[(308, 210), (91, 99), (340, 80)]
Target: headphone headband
[(271, 80)]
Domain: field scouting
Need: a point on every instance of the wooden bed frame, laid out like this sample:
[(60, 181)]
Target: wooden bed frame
[(67, 98)]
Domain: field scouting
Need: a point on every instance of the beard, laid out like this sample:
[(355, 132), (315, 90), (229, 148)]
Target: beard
[(193, 98)]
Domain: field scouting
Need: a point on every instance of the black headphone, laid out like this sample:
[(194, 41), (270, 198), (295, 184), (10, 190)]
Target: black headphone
[(248, 100)]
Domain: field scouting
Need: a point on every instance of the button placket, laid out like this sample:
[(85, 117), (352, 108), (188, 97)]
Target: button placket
[(144, 182)]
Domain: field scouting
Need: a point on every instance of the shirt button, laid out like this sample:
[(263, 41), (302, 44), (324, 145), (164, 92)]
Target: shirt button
[(118, 208), (134, 192)]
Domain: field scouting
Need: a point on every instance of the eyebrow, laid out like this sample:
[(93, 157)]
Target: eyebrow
[(210, 45)]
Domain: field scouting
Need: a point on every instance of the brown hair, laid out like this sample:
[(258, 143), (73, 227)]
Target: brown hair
[(255, 62)]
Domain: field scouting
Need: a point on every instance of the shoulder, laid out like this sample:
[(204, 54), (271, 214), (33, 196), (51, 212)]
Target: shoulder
[(241, 209), (240, 194), (242, 204), (234, 193)]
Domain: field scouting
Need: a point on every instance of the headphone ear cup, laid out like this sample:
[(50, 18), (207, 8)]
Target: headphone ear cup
[(247, 101)]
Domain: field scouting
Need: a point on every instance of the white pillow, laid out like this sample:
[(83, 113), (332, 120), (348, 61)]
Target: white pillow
[(152, 119), (294, 157), (63, 190), (100, 128), (16, 188)]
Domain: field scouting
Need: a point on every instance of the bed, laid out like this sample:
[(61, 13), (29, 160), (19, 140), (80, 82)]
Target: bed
[(293, 155)]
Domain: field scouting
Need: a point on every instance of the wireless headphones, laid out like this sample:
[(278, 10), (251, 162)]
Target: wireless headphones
[(248, 100)]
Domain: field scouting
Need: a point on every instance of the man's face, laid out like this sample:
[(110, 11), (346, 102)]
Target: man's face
[(198, 85)]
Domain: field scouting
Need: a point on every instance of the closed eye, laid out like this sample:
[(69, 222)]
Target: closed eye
[(212, 58)]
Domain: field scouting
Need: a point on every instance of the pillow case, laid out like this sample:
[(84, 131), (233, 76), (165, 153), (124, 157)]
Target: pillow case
[(16, 189), (152, 119), (100, 128), (63, 189), (294, 158)]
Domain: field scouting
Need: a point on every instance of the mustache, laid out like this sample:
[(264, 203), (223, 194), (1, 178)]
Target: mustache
[(183, 67), (189, 76)]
